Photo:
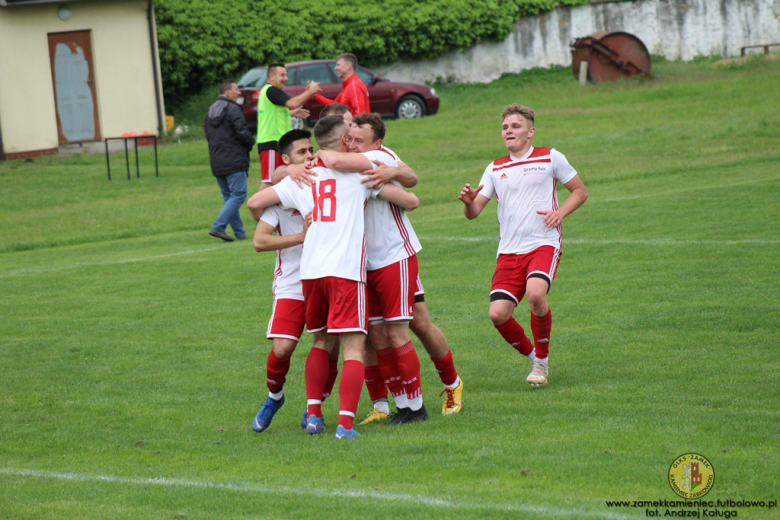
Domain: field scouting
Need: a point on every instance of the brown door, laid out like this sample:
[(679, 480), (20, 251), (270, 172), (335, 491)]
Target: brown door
[(73, 75)]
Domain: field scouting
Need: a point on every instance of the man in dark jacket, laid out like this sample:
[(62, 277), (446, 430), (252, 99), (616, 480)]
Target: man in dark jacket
[(229, 144)]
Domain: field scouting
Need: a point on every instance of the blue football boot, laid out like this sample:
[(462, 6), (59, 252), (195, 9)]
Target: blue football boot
[(315, 424), (342, 433), (266, 414)]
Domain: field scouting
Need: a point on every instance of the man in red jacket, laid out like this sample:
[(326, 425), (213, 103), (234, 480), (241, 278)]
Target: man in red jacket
[(353, 92)]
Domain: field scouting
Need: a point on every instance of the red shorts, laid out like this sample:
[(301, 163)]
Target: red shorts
[(288, 318), (336, 304), (419, 291), (391, 291), (513, 271), (269, 161)]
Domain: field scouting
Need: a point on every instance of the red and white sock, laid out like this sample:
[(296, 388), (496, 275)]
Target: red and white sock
[(316, 379), (446, 369), (409, 367), (333, 373), (350, 386), (513, 333), (388, 364), (275, 374), (375, 383), (541, 327)]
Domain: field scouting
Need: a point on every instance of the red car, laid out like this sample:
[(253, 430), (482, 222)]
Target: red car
[(388, 98)]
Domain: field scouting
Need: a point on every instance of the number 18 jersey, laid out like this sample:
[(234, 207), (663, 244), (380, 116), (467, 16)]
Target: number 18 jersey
[(335, 242)]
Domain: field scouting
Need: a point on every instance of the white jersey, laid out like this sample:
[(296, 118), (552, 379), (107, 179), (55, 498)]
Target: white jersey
[(335, 242), (390, 237), (522, 187), (287, 274)]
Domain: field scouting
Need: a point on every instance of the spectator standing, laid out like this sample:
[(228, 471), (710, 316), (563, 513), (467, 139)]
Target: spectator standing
[(273, 118), (229, 145), (353, 92)]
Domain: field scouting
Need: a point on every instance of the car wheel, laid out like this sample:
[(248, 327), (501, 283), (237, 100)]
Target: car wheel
[(410, 107), (297, 123)]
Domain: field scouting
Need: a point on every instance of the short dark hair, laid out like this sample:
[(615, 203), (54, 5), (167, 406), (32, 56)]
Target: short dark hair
[(334, 109), (225, 85), (349, 58), (372, 120), (272, 66), (287, 140), (325, 131)]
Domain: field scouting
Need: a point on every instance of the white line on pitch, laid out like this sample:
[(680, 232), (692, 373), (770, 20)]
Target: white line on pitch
[(648, 242), (109, 262), (325, 493)]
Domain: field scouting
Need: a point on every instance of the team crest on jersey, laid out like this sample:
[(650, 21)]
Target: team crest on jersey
[(296, 213)]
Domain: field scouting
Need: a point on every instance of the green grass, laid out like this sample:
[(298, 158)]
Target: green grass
[(132, 343)]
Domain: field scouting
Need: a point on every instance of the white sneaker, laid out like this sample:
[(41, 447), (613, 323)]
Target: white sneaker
[(538, 375)]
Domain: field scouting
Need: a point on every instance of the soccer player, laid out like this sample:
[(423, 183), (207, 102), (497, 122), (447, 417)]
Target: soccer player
[(529, 222), (299, 172), (289, 310), (353, 92), (333, 268), (273, 117), (391, 238), (337, 109)]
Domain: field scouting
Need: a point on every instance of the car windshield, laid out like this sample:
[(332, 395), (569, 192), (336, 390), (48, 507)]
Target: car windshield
[(253, 78)]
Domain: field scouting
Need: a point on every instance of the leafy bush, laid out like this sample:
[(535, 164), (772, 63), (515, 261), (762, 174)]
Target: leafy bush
[(203, 41)]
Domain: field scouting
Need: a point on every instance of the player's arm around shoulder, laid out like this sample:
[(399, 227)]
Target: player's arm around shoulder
[(299, 173), (384, 173), (344, 162), (261, 200), (399, 196)]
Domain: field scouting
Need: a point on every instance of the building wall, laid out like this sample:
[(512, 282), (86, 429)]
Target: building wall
[(124, 78), (676, 29)]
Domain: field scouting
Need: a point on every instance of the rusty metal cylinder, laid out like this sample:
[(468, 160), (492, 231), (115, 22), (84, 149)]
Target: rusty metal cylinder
[(610, 56)]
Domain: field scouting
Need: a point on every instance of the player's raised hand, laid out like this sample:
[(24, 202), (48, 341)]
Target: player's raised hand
[(301, 174), (467, 194), (379, 176), (551, 218)]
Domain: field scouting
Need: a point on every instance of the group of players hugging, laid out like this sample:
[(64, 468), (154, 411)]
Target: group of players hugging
[(346, 265)]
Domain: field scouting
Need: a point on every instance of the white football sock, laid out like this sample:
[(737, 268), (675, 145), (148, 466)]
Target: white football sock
[(277, 395), (383, 406), (455, 384), (416, 403)]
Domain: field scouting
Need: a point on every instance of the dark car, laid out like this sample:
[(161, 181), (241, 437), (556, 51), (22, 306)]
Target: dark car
[(388, 98)]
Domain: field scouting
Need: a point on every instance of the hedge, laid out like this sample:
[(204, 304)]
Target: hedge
[(203, 41)]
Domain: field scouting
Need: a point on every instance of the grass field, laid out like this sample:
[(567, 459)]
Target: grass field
[(132, 344)]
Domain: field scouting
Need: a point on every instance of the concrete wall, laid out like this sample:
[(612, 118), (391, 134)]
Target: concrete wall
[(676, 29), (124, 78)]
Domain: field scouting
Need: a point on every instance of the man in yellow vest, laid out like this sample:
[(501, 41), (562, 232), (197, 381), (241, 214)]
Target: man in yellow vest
[(273, 117)]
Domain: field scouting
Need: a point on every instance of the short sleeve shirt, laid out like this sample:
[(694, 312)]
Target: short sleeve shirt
[(277, 96), (287, 272), (522, 186), (335, 241), (390, 237)]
